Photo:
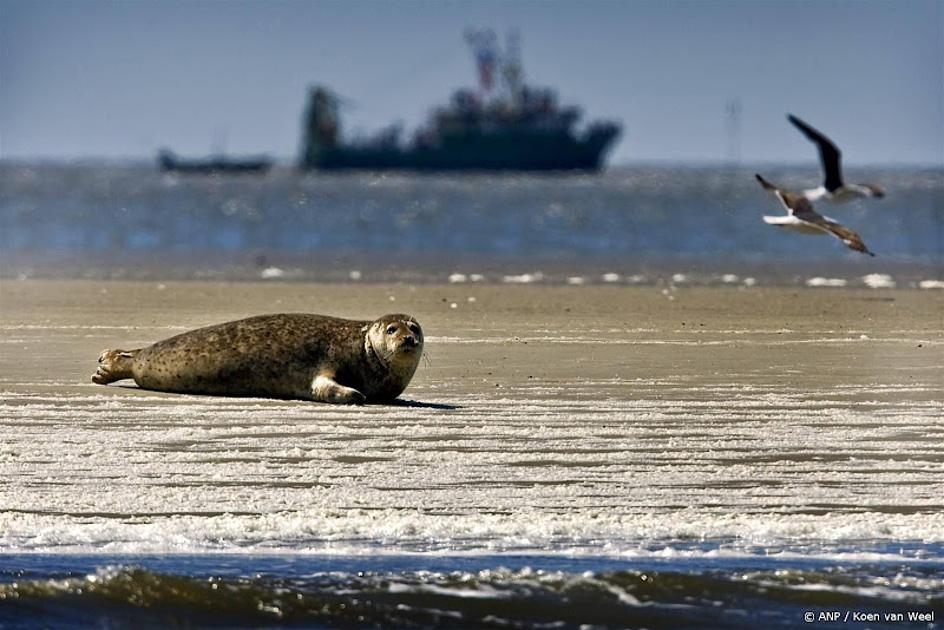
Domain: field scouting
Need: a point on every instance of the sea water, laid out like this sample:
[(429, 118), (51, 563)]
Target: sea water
[(463, 592), (631, 224)]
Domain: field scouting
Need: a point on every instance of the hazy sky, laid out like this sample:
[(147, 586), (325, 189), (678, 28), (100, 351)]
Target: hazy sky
[(120, 79)]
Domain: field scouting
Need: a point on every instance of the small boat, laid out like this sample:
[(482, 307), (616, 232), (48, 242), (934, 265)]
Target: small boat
[(168, 162)]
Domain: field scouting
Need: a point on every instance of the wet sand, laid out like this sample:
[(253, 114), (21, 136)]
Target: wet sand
[(546, 418)]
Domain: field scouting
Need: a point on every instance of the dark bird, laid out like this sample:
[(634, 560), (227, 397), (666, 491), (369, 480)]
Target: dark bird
[(833, 188), (801, 217)]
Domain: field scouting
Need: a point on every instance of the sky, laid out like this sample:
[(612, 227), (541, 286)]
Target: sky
[(119, 79)]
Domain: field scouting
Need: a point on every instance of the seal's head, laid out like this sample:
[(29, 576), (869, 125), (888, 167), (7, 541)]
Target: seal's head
[(397, 340)]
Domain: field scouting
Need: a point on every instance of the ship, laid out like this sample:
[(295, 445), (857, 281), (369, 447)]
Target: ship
[(502, 125), (169, 162)]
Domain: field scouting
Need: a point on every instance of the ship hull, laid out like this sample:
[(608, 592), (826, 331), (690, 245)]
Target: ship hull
[(213, 167), (474, 153)]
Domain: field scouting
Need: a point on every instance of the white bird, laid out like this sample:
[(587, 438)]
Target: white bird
[(833, 188), (801, 217)]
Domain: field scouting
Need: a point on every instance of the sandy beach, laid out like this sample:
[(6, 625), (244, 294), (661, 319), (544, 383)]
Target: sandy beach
[(569, 418)]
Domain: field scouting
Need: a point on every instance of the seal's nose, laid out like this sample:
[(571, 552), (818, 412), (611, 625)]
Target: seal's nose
[(409, 340)]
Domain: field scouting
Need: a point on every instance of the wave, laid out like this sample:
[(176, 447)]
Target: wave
[(499, 597)]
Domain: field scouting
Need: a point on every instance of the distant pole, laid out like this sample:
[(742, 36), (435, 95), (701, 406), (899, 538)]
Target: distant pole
[(733, 130), (220, 138)]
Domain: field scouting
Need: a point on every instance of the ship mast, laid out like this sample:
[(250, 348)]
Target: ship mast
[(484, 46), (491, 59)]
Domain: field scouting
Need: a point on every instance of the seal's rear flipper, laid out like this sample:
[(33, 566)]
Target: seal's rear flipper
[(114, 365)]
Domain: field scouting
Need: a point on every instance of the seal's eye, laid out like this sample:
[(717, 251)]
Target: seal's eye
[(392, 328), (414, 329)]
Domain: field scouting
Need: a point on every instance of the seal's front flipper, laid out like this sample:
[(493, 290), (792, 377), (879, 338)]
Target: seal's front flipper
[(114, 365), (326, 389)]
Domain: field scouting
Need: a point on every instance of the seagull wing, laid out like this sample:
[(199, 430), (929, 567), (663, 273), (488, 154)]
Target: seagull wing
[(829, 155), (849, 237)]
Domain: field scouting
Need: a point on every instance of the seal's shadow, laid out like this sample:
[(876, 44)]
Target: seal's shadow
[(399, 402)]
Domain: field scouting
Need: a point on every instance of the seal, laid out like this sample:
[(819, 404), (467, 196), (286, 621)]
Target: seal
[(295, 355)]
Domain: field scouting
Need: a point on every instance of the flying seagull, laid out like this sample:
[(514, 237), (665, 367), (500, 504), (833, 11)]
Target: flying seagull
[(802, 218), (832, 189)]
